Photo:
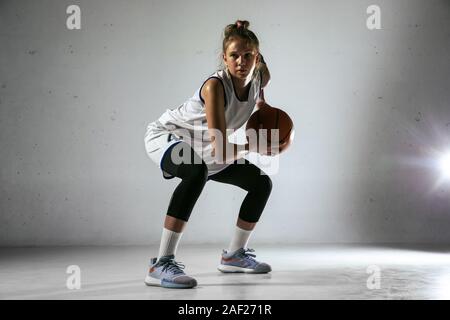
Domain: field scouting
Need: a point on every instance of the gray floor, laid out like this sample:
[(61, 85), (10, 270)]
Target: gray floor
[(299, 272)]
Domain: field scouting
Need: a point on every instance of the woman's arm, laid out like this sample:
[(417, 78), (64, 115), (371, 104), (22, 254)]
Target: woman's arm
[(214, 97), (265, 74), (265, 79)]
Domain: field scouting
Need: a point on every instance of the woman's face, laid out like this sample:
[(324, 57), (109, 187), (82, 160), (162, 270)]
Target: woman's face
[(240, 58)]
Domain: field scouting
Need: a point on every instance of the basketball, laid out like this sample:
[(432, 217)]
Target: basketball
[(271, 118)]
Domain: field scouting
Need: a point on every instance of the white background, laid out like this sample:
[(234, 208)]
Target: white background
[(371, 110)]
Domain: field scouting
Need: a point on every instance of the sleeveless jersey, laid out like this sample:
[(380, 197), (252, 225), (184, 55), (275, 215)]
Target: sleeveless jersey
[(188, 121)]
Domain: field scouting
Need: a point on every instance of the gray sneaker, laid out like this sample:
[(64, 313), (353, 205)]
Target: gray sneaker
[(242, 260), (168, 273)]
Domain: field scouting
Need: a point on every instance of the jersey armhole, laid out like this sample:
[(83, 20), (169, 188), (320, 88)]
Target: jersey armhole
[(224, 94)]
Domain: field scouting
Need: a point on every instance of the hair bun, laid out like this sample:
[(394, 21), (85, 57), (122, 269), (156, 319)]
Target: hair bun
[(242, 24)]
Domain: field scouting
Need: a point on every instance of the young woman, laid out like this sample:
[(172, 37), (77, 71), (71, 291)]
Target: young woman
[(196, 132)]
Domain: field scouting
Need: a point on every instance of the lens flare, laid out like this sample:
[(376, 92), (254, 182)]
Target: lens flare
[(445, 165)]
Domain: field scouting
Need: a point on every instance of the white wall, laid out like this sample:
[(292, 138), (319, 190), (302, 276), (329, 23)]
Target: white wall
[(371, 110)]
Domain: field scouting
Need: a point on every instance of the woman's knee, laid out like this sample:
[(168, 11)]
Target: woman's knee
[(263, 184)]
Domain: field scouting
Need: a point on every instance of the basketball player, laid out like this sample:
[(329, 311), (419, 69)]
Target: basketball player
[(225, 100)]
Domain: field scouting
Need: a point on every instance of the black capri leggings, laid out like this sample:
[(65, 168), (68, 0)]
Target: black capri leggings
[(194, 176)]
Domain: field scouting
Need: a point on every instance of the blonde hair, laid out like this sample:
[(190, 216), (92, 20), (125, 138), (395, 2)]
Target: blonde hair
[(239, 29)]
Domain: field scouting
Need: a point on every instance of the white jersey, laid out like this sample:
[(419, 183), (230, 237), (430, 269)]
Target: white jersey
[(188, 121)]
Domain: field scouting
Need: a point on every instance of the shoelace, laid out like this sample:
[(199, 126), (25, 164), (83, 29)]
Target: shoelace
[(173, 266), (248, 255)]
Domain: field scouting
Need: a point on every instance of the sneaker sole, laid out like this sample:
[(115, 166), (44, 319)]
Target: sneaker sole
[(233, 269), (153, 282)]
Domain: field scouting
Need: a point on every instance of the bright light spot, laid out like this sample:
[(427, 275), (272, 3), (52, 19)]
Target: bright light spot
[(445, 165)]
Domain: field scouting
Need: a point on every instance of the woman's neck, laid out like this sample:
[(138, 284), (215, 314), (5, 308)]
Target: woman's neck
[(241, 91), (239, 83)]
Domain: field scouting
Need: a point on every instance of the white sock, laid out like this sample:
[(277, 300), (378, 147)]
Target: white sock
[(240, 239), (169, 242)]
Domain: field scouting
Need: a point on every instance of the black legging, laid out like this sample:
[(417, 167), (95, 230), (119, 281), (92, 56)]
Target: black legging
[(194, 176)]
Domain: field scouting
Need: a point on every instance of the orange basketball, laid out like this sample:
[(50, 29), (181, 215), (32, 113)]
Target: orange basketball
[(271, 118)]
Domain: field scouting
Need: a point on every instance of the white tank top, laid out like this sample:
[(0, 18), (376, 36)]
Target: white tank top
[(190, 117)]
